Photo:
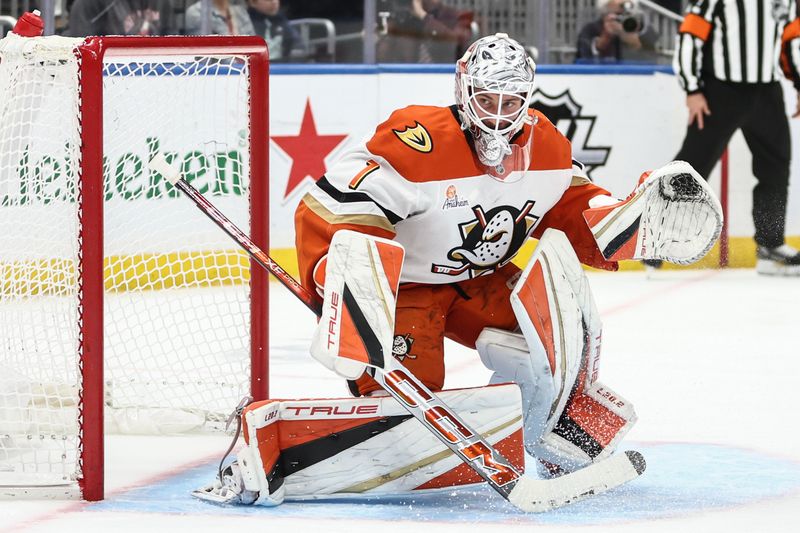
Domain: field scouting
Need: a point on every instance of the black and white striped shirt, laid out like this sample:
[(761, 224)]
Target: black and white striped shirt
[(739, 41)]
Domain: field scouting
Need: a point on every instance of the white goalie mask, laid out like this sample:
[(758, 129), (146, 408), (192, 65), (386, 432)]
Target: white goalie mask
[(494, 88)]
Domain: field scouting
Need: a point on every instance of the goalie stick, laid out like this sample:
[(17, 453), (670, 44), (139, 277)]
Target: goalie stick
[(524, 492)]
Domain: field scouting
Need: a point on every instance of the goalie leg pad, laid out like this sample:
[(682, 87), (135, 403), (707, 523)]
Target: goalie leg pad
[(558, 317), (590, 427), (356, 327), (333, 448), (588, 430)]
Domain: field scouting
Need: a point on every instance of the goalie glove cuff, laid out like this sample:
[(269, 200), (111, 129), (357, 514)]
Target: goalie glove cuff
[(672, 214)]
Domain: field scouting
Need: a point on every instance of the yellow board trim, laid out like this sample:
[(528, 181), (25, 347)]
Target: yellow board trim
[(741, 254), (123, 273), (138, 272)]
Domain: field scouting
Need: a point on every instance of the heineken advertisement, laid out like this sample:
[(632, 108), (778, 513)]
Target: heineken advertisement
[(42, 179), (200, 124)]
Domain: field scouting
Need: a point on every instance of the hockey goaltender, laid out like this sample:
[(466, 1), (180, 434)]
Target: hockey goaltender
[(409, 239)]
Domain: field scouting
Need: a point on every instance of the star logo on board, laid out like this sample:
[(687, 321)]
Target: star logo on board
[(307, 150)]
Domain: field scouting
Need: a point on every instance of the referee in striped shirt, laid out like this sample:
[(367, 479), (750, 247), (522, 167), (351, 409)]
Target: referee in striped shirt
[(726, 59)]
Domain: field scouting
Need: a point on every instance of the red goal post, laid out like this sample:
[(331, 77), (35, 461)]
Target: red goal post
[(131, 93)]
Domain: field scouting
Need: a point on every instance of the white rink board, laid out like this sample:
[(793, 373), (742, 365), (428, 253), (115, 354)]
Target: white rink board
[(640, 118), (630, 122)]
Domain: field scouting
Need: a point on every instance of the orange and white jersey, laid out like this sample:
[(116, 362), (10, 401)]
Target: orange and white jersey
[(417, 180)]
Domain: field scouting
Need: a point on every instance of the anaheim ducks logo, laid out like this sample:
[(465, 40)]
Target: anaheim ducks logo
[(417, 137), (490, 240), (401, 347)]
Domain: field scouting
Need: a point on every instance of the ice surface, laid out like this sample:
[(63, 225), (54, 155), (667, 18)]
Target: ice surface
[(710, 360)]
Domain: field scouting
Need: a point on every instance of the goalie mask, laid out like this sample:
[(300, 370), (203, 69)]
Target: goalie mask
[(494, 88)]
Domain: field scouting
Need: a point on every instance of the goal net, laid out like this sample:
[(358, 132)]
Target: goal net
[(116, 294)]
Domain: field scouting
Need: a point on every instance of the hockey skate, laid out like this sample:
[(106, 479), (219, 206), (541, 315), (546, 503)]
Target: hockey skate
[(227, 489), (780, 261)]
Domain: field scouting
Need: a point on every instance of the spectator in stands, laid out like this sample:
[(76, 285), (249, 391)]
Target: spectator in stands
[(227, 18), (423, 31), (620, 34), (273, 25), (121, 17)]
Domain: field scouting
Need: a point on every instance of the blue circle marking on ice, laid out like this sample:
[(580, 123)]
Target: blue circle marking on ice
[(681, 479)]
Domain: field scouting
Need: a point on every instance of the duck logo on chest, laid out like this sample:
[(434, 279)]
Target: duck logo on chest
[(490, 240)]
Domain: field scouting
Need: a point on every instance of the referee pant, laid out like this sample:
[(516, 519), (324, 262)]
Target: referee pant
[(758, 110)]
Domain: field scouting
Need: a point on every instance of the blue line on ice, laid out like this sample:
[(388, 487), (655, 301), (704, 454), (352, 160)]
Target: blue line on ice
[(681, 478)]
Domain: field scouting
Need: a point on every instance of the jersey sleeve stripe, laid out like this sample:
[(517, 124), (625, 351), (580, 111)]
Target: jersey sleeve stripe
[(350, 197), (579, 175), (354, 219), (579, 180)]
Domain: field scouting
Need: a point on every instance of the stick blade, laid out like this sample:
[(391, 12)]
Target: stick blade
[(637, 461), (160, 164), (539, 495)]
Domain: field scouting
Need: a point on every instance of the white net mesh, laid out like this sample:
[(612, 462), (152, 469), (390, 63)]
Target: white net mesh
[(39, 140), (176, 318)]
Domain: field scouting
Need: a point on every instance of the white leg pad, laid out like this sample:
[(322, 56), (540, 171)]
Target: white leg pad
[(361, 282), (252, 475), (570, 420), (557, 315), (507, 354), (589, 430)]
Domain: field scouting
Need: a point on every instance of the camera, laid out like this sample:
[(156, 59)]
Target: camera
[(630, 19)]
